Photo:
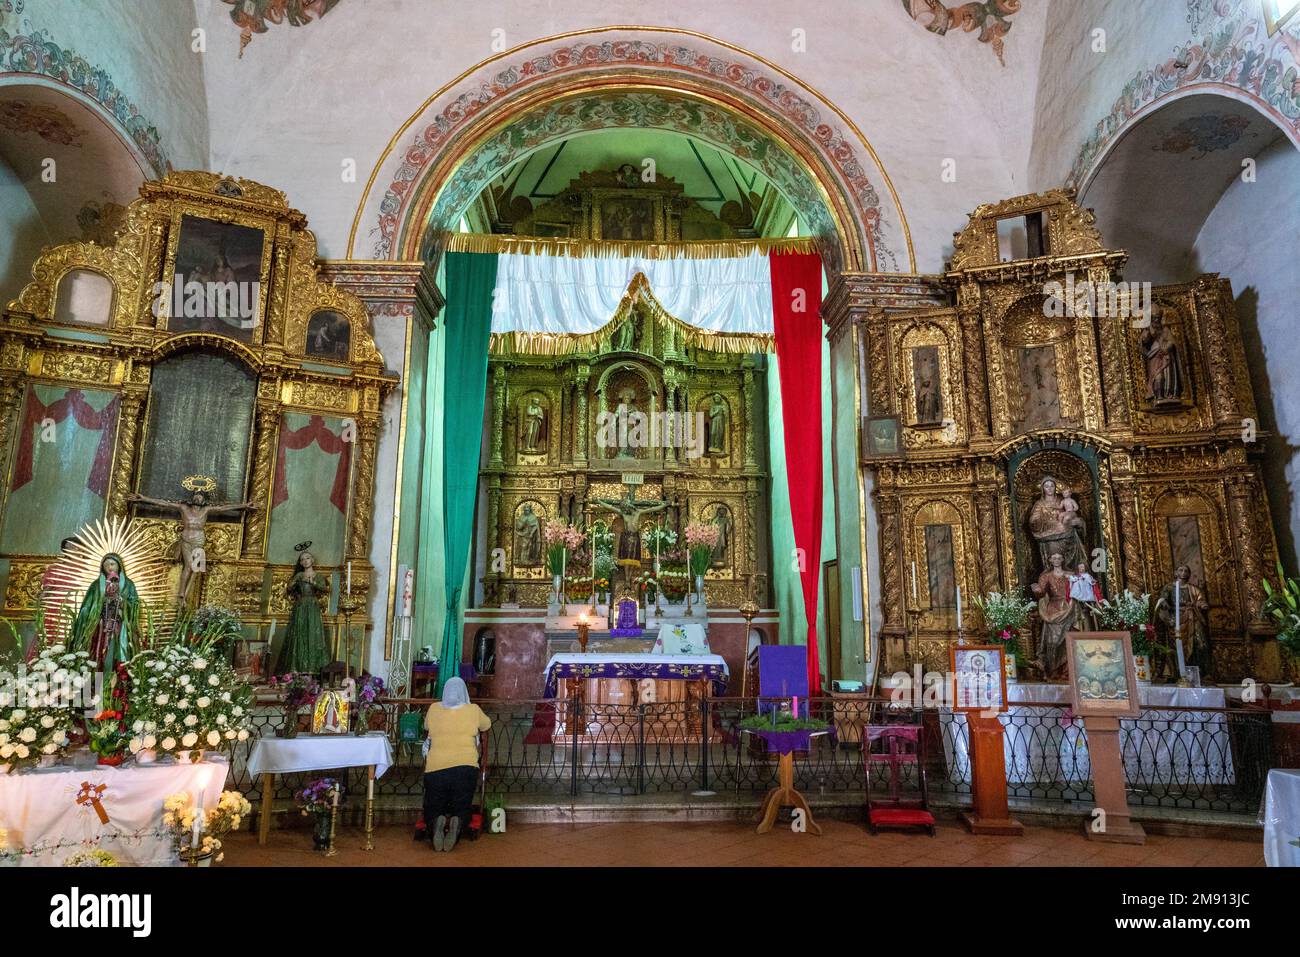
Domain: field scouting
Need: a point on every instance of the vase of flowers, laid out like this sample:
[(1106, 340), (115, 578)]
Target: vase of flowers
[(560, 540), (41, 713), (318, 800), (197, 833), (701, 540), (184, 701), (1130, 612), (109, 737), (1005, 616), (95, 858), (300, 689), (369, 695)]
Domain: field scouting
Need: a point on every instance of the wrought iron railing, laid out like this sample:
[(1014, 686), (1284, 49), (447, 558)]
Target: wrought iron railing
[(1205, 759)]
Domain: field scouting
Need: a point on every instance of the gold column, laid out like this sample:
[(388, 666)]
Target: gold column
[(264, 448), (493, 532), (128, 437), (972, 344), (363, 488), (580, 433), (1242, 493), (1130, 535), (986, 517), (152, 258), (498, 414), (670, 406), (275, 319), (751, 406), (1219, 353), (888, 508)]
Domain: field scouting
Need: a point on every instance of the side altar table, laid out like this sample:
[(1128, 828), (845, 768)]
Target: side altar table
[(52, 813), (319, 752), (606, 688)]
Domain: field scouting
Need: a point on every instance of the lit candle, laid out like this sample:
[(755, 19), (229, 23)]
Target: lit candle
[(349, 577), (194, 831), (913, 583)]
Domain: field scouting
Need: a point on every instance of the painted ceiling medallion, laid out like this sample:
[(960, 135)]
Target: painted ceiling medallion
[(252, 16), (992, 18), (50, 124), (1206, 133)]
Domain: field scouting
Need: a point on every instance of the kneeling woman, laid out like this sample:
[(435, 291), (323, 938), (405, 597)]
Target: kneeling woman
[(451, 769)]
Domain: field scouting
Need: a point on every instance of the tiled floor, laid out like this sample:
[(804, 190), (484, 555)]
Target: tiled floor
[(725, 844)]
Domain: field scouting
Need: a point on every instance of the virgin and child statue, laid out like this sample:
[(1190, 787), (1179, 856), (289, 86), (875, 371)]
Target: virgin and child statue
[(1058, 531), (107, 626)]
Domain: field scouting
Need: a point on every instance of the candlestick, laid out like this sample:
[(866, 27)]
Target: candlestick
[(1182, 662)]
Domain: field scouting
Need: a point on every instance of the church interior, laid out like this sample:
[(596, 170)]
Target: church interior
[(859, 429)]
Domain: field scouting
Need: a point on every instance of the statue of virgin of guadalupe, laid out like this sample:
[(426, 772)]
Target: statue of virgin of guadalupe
[(108, 624), (304, 638)]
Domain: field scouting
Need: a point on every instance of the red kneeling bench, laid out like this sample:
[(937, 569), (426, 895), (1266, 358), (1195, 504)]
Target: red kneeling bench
[(899, 746)]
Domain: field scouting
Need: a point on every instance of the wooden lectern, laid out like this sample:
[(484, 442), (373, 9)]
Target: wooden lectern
[(979, 685)]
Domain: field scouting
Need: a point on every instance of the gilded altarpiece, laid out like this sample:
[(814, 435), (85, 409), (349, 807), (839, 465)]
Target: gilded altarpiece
[(113, 346), (1054, 374), (551, 451)]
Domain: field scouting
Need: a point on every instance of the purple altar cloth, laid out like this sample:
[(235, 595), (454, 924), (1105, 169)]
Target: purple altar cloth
[(783, 742), (714, 672)]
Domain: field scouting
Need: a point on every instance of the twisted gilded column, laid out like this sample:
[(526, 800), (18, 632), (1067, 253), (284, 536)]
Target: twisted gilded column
[(751, 407), (363, 488), (1130, 536), (264, 448), (986, 517), (891, 561), (972, 344), (580, 433), (1219, 354), (498, 415), (1242, 492), (128, 439), (670, 406), (280, 294)]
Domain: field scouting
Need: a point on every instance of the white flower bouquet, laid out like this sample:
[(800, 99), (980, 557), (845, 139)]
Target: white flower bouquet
[(180, 815), (182, 702), (43, 705)]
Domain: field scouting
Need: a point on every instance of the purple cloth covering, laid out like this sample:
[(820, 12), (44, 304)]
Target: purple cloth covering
[(783, 742), (782, 671), (715, 673)]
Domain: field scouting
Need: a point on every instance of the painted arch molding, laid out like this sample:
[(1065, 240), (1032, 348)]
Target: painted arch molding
[(636, 77)]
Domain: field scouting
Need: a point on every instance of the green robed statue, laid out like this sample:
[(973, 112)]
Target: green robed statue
[(108, 624)]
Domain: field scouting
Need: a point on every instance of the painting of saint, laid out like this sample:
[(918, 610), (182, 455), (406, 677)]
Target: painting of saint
[(882, 436), (1101, 673), (1039, 390), (328, 333), (926, 383), (629, 218), (940, 569), (216, 284)]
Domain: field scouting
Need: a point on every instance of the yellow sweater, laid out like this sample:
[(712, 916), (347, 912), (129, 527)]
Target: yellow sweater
[(453, 735)]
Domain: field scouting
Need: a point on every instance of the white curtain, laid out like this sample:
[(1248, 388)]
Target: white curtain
[(578, 295)]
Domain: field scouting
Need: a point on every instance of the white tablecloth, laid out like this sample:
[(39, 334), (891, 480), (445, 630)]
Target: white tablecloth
[(40, 811), (1281, 818), (1159, 747), (320, 752)]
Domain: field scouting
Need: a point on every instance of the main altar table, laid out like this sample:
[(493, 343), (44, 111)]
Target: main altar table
[(52, 813), (318, 752), (1050, 746), (1281, 818), (607, 689)]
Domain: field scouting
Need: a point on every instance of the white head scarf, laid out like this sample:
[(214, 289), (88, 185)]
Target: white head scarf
[(455, 693)]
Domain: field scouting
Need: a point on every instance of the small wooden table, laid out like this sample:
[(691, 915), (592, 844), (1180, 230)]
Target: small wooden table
[(785, 794), (319, 752)]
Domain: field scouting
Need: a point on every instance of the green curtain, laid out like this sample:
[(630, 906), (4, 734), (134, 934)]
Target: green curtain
[(470, 279)]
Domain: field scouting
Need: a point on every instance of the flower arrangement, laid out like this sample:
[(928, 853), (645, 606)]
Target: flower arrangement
[(658, 541), (109, 736), (95, 858), (185, 701), (318, 797), (1006, 616), (299, 688), (212, 629), (41, 710), (701, 540), (201, 837), (602, 538), (560, 539), (1282, 604), (369, 695), (1129, 612)]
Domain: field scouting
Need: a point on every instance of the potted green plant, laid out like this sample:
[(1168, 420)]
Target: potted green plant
[(1282, 606)]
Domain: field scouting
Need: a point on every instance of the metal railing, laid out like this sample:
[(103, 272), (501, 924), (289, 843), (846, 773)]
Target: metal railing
[(1204, 759)]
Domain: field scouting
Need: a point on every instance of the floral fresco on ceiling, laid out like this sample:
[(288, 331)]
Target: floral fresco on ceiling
[(1206, 133), (992, 18), (252, 16), (50, 124)]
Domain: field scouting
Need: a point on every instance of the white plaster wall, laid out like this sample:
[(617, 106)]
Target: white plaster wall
[(305, 99), (22, 234), (1253, 238)]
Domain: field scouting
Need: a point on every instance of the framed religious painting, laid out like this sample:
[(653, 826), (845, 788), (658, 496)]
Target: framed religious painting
[(1103, 676), (979, 678), (219, 273), (328, 336), (880, 437)]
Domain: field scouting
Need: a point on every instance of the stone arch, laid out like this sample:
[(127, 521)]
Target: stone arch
[(688, 81)]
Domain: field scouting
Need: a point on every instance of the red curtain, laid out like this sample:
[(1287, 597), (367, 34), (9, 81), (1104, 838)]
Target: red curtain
[(314, 431), (74, 403), (796, 313)]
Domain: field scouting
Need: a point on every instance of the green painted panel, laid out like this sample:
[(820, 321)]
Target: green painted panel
[(310, 477)]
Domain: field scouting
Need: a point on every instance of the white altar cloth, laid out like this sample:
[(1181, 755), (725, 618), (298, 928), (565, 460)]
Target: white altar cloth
[(1159, 747), (321, 752), (1281, 818), (52, 813)]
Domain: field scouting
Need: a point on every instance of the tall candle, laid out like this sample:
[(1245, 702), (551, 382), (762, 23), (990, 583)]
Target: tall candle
[(349, 577), (914, 583), (370, 789), (1178, 606), (794, 706), (1182, 662), (959, 608)]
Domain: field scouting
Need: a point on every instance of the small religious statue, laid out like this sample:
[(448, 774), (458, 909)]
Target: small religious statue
[(1058, 613), (534, 426), (628, 412), (927, 402), (304, 638), (190, 548), (108, 624), (624, 338), (1181, 611), (722, 518), (528, 538), (1164, 365), (1056, 526), (632, 510), (717, 426)]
